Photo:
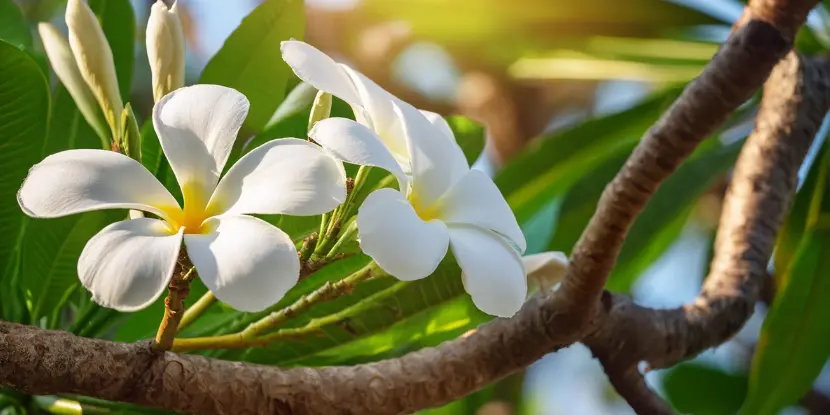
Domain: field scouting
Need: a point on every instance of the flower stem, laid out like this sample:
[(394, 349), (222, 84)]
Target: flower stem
[(177, 292), (250, 336), (347, 236), (196, 310), (328, 291)]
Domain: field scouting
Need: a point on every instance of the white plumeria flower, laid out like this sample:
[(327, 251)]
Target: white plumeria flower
[(545, 270), (408, 231), (370, 102), (246, 262)]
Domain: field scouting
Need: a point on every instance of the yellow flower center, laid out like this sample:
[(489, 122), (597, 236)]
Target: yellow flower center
[(425, 212), (195, 210)]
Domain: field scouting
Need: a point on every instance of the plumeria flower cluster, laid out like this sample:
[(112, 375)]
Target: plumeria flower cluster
[(440, 202), (246, 262)]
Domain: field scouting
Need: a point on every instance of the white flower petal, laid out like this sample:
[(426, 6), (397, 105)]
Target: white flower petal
[(197, 127), (319, 70), (436, 162), (438, 121), (286, 175), (355, 143), (399, 241), (369, 101), (75, 181), (545, 269), (246, 262), (493, 272), (476, 200), (382, 116), (128, 264)]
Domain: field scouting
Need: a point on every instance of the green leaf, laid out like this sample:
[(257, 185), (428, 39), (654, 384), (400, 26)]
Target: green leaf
[(291, 120), (580, 202), (662, 219), (13, 27), (151, 153), (798, 322), (152, 157), (117, 19), (693, 388), (795, 338), (379, 318), (469, 135), (51, 247), (551, 165), (24, 95), (250, 60)]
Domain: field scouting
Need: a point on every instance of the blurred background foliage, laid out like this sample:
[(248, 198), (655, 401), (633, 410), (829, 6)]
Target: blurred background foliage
[(548, 96)]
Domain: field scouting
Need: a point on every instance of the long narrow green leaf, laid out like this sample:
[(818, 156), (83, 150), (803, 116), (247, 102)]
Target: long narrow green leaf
[(551, 165), (251, 62), (117, 18), (663, 217), (795, 338), (24, 107)]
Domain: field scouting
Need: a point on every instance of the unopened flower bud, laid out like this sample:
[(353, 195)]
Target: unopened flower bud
[(94, 58), (545, 270), (321, 109), (63, 63), (165, 49)]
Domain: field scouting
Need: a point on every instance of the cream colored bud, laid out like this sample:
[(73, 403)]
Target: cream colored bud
[(165, 49), (94, 58), (545, 270), (321, 109), (63, 63)]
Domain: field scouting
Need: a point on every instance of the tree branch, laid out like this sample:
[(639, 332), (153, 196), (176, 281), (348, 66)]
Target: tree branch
[(796, 98), (631, 385), (733, 75)]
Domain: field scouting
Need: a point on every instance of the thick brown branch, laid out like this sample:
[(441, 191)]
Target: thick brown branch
[(796, 98), (733, 75)]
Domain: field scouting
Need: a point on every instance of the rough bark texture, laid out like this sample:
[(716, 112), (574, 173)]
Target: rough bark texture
[(796, 98), (619, 332), (733, 75)]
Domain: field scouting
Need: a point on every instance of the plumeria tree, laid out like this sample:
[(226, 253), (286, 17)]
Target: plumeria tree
[(330, 250)]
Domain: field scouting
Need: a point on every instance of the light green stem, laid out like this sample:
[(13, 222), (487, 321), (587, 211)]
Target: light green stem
[(196, 310), (346, 236), (250, 336)]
